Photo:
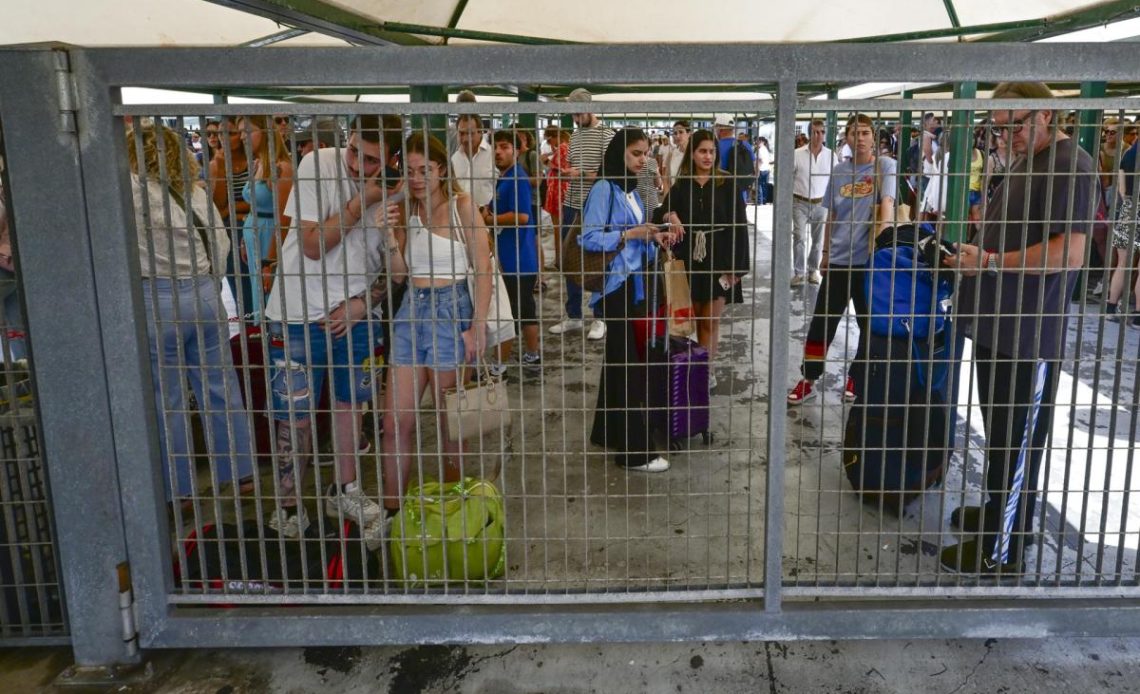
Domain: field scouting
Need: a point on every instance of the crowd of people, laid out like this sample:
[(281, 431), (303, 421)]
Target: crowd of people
[(349, 239)]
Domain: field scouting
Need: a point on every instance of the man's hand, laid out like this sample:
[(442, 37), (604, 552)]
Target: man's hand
[(968, 259), (341, 319)]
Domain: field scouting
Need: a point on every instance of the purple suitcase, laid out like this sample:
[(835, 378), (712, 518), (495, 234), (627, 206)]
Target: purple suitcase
[(679, 391)]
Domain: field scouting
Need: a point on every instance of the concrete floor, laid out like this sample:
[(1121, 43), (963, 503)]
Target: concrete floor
[(839, 667)]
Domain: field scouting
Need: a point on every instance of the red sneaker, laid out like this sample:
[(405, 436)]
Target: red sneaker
[(804, 390), (849, 390)]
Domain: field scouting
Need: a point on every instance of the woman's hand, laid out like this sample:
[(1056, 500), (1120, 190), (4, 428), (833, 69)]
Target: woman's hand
[(341, 319), (675, 226), (665, 239), (474, 341)]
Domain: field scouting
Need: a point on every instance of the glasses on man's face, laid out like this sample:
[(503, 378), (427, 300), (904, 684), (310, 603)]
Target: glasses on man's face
[(1014, 126)]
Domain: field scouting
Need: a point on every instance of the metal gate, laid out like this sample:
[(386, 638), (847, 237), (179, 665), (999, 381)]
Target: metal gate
[(756, 535)]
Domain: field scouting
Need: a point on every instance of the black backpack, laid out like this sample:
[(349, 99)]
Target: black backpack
[(742, 166)]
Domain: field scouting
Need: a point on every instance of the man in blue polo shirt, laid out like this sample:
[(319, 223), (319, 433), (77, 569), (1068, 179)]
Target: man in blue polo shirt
[(742, 168), (515, 246)]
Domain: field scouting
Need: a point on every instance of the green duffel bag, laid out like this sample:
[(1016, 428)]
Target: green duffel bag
[(449, 533)]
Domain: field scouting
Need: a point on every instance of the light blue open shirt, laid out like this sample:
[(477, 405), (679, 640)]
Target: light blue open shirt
[(605, 216)]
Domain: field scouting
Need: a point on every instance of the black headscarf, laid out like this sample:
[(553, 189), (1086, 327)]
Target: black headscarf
[(613, 162)]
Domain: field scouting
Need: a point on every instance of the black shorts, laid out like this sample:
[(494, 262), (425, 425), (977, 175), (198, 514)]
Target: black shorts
[(521, 290)]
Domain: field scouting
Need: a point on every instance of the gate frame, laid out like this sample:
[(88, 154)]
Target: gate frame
[(64, 103)]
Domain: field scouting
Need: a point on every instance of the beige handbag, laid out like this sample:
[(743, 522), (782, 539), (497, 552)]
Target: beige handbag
[(475, 408)]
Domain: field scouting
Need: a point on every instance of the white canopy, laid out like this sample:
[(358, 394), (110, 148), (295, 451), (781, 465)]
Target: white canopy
[(220, 23)]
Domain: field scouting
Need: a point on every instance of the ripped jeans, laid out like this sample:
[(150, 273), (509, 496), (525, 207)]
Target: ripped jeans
[(301, 356)]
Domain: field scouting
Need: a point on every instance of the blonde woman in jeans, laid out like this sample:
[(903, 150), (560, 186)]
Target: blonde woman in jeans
[(186, 324)]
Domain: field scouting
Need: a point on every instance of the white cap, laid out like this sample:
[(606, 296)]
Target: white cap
[(724, 120)]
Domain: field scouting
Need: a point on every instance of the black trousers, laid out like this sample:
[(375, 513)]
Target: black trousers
[(621, 418), (1017, 408), (840, 285)]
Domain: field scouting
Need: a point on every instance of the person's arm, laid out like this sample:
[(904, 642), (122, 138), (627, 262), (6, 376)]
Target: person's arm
[(316, 237), (219, 191), (284, 187), (1120, 185), (825, 254)]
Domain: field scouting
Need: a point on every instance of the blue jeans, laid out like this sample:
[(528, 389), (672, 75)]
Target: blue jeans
[(303, 354), (186, 332), (428, 328), (573, 291)]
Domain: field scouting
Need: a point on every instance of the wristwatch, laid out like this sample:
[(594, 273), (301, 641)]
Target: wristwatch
[(992, 268)]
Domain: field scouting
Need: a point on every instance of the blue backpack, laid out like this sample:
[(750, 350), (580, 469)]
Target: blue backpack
[(909, 297)]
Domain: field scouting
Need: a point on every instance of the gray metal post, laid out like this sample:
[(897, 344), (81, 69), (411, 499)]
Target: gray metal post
[(121, 328), (778, 345), (64, 315)]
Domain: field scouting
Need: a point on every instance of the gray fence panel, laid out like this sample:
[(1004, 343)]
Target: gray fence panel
[(113, 384), (59, 277)]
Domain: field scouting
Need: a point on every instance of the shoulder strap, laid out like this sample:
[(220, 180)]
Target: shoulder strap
[(458, 224), (192, 218)]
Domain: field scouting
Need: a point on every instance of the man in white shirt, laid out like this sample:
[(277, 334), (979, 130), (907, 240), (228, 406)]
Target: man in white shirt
[(473, 164), (329, 281), (814, 163)]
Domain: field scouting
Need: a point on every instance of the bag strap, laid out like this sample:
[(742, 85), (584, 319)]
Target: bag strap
[(192, 218)]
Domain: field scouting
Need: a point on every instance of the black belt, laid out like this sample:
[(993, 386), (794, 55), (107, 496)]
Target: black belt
[(814, 201)]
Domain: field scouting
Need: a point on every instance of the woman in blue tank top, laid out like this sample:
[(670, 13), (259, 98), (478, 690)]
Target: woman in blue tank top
[(266, 191)]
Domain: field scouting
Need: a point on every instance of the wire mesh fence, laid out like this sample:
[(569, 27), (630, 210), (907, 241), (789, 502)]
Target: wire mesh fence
[(307, 346), (32, 604), (980, 397), (892, 417)]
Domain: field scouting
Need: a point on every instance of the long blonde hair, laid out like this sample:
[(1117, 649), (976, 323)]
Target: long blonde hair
[(174, 156), (265, 168)]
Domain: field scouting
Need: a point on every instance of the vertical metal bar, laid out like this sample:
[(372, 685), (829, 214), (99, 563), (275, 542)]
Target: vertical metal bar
[(1088, 122), (957, 178), (122, 331), (778, 341), (72, 372)]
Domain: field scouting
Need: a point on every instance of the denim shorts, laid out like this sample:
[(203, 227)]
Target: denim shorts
[(297, 383), (428, 328)]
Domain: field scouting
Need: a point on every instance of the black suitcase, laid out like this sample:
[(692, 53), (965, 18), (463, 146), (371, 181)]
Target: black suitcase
[(229, 558), (900, 430)]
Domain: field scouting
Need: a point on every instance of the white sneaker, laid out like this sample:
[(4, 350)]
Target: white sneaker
[(376, 532), (712, 381), (353, 504), (566, 326), (814, 277), (1099, 288), (658, 464), (286, 524), (798, 280), (597, 331)]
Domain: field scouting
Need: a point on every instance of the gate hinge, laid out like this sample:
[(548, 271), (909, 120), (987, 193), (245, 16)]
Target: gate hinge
[(65, 92)]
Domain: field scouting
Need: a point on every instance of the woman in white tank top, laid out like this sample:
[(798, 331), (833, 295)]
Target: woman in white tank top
[(439, 325)]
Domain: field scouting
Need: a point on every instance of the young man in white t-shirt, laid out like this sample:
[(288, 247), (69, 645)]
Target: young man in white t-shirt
[(329, 281)]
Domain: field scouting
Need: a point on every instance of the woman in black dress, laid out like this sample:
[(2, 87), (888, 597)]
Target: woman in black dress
[(715, 248)]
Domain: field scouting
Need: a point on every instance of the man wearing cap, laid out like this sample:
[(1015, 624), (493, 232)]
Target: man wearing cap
[(725, 125), (587, 145), (321, 133)]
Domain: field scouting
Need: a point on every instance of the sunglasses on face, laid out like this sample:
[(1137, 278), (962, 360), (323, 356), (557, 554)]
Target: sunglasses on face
[(281, 120)]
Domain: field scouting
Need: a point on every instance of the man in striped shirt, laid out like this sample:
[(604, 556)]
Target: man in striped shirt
[(587, 145)]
